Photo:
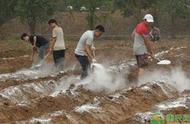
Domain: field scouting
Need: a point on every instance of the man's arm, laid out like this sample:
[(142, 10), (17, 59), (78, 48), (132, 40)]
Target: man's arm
[(35, 39), (52, 41), (34, 48), (89, 52), (148, 45), (52, 44)]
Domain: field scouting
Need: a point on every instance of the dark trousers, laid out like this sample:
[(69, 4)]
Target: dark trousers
[(59, 56), (85, 64), (142, 60), (42, 51)]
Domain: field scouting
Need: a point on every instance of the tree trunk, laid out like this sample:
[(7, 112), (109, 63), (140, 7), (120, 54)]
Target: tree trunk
[(172, 18), (32, 24), (91, 18)]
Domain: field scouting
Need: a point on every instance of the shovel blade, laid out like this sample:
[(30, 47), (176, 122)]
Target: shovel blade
[(37, 66), (164, 62)]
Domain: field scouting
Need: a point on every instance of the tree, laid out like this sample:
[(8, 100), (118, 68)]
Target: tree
[(34, 11), (132, 7), (91, 6), (7, 10), (174, 9)]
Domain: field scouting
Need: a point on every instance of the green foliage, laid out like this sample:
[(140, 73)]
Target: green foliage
[(37, 11), (34, 11), (178, 8), (174, 10), (91, 7), (131, 7), (7, 10)]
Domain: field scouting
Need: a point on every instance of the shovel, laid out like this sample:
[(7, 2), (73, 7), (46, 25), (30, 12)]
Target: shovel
[(94, 64), (162, 62), (37, 66)]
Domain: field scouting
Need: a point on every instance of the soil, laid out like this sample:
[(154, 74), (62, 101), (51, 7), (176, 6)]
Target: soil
[(59, 98)]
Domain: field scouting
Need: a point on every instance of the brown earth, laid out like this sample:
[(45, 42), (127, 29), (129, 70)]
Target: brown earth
[(111, 109)]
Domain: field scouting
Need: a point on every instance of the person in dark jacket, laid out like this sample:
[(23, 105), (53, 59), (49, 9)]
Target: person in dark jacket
[(39, 44)]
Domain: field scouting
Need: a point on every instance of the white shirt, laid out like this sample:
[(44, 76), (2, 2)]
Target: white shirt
[(59, 35), (86, 38)]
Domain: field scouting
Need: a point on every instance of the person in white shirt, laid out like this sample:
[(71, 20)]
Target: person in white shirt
[(57, 46), (85, 48)]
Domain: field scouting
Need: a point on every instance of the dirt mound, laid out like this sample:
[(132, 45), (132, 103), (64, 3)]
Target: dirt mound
[(40, 96), (80, 105)]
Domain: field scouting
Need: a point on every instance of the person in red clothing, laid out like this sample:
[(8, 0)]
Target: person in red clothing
[(142, 45)]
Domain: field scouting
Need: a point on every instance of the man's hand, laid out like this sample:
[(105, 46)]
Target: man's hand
[(151, 55), (94, 60), (51, 46), (35, 49), (93, 48), (89, 51)]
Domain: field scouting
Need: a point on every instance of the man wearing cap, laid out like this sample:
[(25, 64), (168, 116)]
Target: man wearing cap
[(142, 45)]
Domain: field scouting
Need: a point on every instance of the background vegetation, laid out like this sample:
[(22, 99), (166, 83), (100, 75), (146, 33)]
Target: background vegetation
[(171, 15)]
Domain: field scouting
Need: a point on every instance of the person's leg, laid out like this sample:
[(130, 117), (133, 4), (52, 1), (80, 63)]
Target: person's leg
[(85, 64), (55, 57), (142, 62), (59, 59), (42, 51)]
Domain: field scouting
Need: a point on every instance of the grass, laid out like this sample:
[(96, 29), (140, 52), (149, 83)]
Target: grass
[(18, 44)]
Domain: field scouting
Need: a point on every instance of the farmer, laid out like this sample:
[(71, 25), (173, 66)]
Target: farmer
[(57, 46), (84, 51), (40, 44), (142, 45)]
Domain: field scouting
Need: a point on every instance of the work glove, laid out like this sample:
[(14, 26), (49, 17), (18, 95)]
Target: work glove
[(94, 61), (93, 48)]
